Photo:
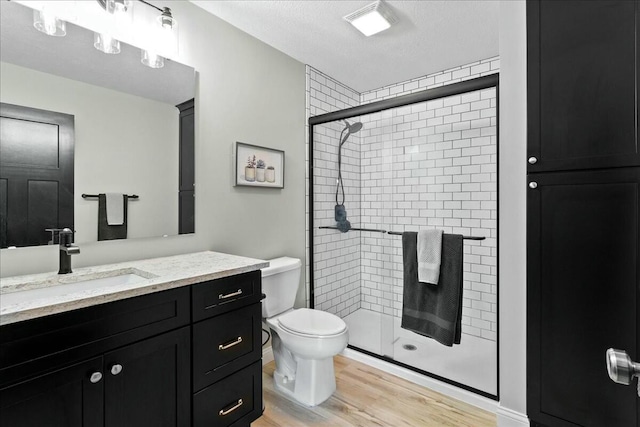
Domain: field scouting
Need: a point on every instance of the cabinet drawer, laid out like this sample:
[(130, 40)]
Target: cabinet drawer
[(221, 295), (52, 341), (235, 399), (225, 343)]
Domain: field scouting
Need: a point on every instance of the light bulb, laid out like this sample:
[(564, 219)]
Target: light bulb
[(106, 43), (118, 7), (46, 22), (166, 19), (152, 59)]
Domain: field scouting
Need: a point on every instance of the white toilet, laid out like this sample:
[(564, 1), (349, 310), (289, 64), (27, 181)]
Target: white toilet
[(304, 341)]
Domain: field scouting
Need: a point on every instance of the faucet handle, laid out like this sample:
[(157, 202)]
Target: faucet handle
[(53, 232), (66, 236)]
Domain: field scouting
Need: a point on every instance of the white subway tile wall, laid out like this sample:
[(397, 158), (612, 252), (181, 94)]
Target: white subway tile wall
[(336, 254), (427, 165)]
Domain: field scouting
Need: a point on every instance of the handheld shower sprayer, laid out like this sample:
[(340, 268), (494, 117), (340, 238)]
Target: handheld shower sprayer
[(340, 211)]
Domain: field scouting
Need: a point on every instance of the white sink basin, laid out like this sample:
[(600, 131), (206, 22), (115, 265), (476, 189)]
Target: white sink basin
[(66, 285)]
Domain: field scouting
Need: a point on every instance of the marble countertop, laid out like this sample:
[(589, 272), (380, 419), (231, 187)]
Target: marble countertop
[(153, 275)]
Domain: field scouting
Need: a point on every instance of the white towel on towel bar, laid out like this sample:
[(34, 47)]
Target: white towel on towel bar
[(429, 250), (115, 208)]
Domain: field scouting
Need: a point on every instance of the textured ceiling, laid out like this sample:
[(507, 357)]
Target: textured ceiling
[(430, 36)]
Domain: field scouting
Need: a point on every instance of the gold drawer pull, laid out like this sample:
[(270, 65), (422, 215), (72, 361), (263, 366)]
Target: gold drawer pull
[(224, 412), (232, 294), (229, 345)]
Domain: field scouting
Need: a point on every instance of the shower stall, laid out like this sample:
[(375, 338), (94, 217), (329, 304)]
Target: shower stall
[(419, 161)]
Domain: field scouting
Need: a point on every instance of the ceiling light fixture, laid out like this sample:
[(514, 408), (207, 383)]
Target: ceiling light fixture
[(372, 19)]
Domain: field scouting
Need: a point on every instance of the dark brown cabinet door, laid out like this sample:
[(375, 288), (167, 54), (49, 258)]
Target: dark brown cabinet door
[(186, 220), (36, 174), (582, 84), (148, 383), (583, 294), (63, 398)]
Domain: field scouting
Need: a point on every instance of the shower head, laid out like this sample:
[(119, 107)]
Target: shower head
[(353, 128)]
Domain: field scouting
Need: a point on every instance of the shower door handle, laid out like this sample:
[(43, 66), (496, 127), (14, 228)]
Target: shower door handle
[(621, 368)]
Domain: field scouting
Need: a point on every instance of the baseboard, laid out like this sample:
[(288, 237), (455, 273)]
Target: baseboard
[(267, 355), (428, 382), (510, 418)]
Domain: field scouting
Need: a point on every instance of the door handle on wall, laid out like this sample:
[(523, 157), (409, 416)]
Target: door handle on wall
[(621, 368)]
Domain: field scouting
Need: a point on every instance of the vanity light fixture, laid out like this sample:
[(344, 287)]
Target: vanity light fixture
[(372, 19), (119, 14), (151, 59), (165, 38), (51, 20), (46, 22), (106, 43), (166, 19), (159, 36)]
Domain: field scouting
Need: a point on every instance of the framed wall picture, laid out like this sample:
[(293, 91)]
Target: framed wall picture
[(258, 166)]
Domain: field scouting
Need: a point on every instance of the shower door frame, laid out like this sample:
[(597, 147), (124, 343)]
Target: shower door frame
[(479, 83)]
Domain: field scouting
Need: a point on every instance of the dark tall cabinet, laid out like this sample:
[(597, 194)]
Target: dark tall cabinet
[(583, 217), (186, 196)]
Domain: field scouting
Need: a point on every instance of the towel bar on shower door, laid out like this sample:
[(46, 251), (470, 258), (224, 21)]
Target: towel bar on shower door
[(395, 233)]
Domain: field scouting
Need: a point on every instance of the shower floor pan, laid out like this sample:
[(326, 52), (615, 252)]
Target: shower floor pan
[(472, 363)]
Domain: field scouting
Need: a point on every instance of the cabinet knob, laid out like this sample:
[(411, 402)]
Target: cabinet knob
[(533, 160), (116, 369), (533, 185), (95, 377)]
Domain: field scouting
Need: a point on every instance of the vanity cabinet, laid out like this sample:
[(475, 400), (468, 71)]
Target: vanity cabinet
[(65, 397), (147, 383), (162, 359), (186, 172), (227, 351), (142, 384)]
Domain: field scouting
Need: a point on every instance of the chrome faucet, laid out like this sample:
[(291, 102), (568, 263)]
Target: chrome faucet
[(66, 250)]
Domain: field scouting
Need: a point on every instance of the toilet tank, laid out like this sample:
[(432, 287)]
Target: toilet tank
[(280, 284)]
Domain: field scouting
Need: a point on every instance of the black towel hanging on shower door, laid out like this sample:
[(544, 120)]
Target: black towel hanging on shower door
[(430, 310)]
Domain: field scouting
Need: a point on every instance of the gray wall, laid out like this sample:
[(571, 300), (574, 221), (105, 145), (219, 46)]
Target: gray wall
[(249, 92)]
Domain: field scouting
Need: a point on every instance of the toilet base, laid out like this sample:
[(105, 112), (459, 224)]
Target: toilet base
[(314, 381)]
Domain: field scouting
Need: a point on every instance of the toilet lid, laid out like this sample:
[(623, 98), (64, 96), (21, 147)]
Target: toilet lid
[(312, 322)]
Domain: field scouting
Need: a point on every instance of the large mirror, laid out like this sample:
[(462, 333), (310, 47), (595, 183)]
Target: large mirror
[(78, 127)]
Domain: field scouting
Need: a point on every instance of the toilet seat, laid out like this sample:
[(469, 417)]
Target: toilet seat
[(309, 322)]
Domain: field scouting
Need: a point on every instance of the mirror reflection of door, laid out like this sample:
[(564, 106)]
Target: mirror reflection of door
[(36, 174)]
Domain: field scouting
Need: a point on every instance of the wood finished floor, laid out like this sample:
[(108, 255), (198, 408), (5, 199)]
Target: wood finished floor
[(366, 396)]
